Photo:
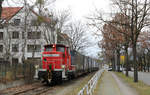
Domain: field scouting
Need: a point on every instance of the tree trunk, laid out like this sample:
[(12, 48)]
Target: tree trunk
[(148, 63), (148, 66), (113, 64), (118, 60), (126, 61), (144, 63), (135, 62), (140, 63)]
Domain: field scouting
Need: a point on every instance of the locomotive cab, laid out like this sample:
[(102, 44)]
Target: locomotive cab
[(56, 63), (53, 57)]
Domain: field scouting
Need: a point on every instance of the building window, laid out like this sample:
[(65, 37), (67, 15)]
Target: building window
[(30, 48), (33, 22), (34, 35), (15, 61), (1, 35), (38, 48), (15, 35), (38, 35), (34, 48), (1, 48), (1, 26), (23, 35), (29, 35), (16, 21), (1, 59), (15, 47)]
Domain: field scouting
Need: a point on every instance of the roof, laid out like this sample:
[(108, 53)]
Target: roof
[(9, 12)]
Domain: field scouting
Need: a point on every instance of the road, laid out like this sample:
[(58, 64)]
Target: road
[(143, 76)]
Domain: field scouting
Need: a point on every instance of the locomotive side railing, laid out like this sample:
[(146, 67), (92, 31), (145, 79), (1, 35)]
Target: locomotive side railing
[(88, 89)]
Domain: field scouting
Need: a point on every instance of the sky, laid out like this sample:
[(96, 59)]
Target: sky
[(80, 9)]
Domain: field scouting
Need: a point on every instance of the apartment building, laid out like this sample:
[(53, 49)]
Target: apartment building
[(21, 36)]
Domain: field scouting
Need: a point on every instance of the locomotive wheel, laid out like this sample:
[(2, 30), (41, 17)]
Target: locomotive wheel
[(71, 76)]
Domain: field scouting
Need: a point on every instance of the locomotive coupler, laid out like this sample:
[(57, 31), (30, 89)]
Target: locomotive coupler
[(49, 75)]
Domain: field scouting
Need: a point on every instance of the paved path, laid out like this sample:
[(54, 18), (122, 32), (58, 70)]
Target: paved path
[(143, 76), (112, 85)]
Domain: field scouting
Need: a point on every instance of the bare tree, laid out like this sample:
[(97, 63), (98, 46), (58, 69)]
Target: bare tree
[(137, 12), (56, 25), (139, 20), (78, 39)]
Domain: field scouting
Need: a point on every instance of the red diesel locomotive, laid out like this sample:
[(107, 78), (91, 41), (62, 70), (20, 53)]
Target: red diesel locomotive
[(59, 63)]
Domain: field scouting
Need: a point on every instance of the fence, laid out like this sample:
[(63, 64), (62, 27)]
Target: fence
[(10, 72), (88, 89)]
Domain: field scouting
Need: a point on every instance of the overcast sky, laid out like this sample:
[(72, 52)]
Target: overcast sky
[(81, 8)]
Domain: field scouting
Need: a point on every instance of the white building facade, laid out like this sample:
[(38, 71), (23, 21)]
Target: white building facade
[(20, 35)]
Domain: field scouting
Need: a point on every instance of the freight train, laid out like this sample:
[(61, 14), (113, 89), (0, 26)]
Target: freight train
[(59, 62)]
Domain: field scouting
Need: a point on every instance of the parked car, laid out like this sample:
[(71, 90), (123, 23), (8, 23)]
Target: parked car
[(110, 69)]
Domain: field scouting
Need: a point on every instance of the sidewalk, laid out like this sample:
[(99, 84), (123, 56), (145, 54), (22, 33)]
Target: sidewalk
[(112, 85)]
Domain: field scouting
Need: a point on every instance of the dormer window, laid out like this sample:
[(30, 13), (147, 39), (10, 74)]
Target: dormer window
[(16, 21)]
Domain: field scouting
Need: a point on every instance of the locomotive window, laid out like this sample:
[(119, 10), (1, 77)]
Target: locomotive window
[(61, 49), (48, 48)]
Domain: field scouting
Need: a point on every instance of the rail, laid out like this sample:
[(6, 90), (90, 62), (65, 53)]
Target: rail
[(88, 89)]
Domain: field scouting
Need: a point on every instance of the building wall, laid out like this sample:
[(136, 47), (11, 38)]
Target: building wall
[(8, 41)]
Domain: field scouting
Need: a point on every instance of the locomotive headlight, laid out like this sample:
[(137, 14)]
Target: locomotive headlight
[(36, 66), (62, 66)]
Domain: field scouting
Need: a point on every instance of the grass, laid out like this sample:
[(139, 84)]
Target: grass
[(96, 90), (140, 87)]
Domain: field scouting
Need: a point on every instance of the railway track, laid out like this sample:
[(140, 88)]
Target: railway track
[(41, 89), (34, 89), (37, 91)]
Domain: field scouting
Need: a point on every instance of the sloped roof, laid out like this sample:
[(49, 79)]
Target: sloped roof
[(9, 12)]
